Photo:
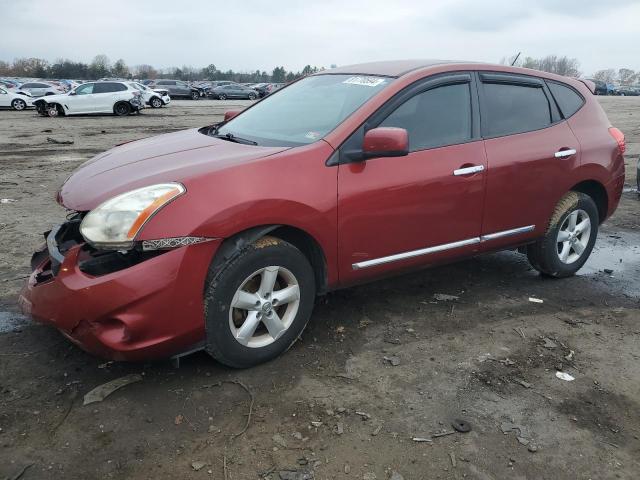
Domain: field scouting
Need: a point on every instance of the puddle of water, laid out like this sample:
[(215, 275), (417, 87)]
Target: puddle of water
[(620, 252), (12, 321)]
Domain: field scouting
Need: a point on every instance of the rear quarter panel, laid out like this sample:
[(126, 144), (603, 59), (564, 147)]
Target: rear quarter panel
[(600, 158)]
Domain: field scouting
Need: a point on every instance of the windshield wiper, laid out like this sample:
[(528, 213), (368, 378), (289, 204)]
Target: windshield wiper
[(232, 138)]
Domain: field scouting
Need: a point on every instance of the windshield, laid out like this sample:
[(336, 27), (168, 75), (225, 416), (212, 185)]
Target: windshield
[(305, 111)]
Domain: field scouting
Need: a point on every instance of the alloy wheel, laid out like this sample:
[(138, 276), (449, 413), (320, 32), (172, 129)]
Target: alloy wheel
[(573, 236), (19, 104), (264, 306)]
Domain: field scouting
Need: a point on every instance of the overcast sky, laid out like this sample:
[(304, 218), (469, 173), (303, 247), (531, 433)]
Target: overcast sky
[(246, 35)]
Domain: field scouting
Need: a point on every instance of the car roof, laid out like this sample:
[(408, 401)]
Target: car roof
[(390, 68)]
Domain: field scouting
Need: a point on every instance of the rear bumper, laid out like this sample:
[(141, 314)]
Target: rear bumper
[(151, 310)]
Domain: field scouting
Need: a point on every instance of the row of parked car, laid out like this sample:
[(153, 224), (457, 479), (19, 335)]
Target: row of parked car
[(221, 90), (603, 88)]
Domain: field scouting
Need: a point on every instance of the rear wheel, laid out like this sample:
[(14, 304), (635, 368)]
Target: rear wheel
[(18, 104), (258, 304), (121, 109), (156, 102), (569, 239)]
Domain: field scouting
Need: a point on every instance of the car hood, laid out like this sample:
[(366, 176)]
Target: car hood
[(59, 97), (173, 157)]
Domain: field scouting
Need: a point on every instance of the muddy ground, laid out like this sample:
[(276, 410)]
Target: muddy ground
[(378, 365)]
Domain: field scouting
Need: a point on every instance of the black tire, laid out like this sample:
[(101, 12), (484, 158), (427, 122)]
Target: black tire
[(18, 104), (122, 109), (544, 255), (156, 102), (252, 96), (195, 95), (222, 96), (224, 281)]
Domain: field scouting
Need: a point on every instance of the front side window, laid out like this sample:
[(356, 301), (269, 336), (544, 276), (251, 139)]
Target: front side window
[(85, 89), (513, 109), (305, 111), (440, 116)]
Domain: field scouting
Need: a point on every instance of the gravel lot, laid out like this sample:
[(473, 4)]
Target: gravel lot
[(379, 365)]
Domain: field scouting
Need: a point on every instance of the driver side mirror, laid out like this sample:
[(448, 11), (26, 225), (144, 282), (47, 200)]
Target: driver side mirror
[(72, 92), (229, 114), (385, 142)]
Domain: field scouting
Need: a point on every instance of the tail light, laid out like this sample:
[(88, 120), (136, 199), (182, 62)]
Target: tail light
[(618, 136)]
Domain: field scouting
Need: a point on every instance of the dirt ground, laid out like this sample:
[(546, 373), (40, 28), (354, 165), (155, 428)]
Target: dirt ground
[(379, 365)]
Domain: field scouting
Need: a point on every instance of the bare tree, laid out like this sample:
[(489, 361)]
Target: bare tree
[(145, 71), (607, 76), (564, 65), (626, 76)]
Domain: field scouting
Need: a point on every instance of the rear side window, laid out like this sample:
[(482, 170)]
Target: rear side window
[(566, 97), (108, 87), (440, 116), (513, 109)]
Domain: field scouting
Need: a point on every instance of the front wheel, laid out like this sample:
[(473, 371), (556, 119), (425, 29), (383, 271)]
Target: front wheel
[(51, 111), (569, 239), (195, 95), (252, 96), (156, 102), (222, 96), (259, 303), (18, 104)]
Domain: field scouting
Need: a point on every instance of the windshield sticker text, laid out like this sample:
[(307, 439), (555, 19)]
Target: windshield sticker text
[(366, 81)]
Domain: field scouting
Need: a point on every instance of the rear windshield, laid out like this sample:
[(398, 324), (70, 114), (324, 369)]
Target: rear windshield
[(305, 111)]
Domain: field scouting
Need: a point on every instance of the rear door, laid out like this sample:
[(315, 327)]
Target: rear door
[(426, 207), (105, 96), (531, 152)]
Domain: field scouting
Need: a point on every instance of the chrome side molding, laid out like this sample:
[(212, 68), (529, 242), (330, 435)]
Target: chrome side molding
[(507, 233), (440, 248)]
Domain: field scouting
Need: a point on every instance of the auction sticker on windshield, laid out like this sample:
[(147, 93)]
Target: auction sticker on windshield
[(366, 81)]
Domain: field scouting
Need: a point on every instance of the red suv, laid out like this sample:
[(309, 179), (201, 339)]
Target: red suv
[(221, 237)]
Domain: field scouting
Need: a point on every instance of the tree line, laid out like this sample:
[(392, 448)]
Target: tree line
[(101, 67), (570, 67)]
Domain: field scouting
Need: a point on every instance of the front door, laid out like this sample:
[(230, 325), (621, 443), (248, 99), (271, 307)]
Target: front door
[(423, 208), (82, 101)]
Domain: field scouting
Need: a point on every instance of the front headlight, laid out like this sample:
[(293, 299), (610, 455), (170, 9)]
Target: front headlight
[(115, 223)]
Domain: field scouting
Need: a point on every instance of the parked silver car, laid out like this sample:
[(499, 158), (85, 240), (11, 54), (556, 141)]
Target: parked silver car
[(39, 89)]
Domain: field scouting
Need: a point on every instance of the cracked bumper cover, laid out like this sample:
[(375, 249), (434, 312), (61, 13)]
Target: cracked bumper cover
[(151, 310)]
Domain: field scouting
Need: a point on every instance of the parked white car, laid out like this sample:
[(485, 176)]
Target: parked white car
[(156, 97), (118, 98), (39, 89), (17, 101)]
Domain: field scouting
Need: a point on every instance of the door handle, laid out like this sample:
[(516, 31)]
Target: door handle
[(468, 170), (565, 153)]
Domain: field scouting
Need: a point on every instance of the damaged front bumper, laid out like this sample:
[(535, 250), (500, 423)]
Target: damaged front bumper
[(122, 306)]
